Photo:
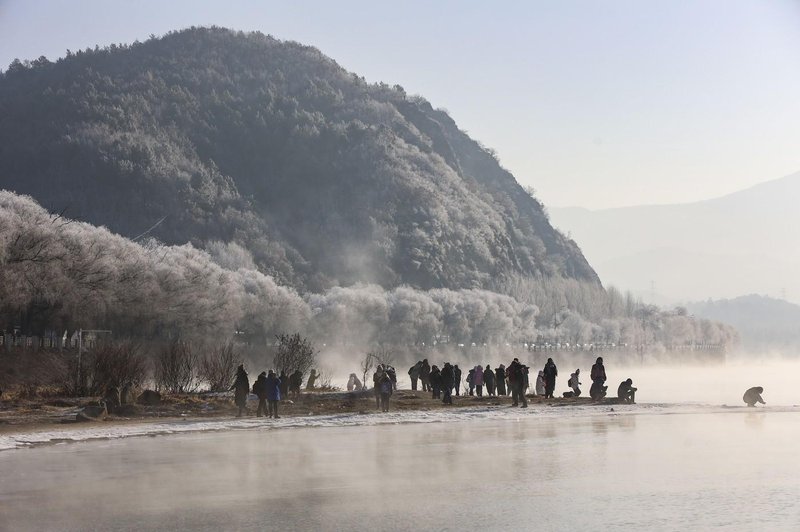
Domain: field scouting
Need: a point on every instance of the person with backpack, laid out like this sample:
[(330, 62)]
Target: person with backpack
[(414, 373)]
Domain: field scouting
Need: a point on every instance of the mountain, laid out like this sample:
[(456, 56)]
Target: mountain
[(268, 153), (764, 323), (745, 242)]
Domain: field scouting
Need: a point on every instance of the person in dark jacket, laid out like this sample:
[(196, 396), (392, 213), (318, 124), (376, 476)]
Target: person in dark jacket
[(598, 376), (260, 390), (241, 389), (500, 379), (272, 385), (436, 382), (377, 378), (385, 386), (516, 380), (457, 379), (550, 374), (284, 385), (447, 377), (753, 396), (488, 380), (471, 381), (626, 392), (425, 375), (392, 375), (295, 382), (414, 373)]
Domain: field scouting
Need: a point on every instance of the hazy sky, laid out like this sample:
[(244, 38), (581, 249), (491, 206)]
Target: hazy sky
[(593, 103)]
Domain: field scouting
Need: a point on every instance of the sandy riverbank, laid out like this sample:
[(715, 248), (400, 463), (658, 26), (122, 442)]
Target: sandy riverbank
[(37, 415)]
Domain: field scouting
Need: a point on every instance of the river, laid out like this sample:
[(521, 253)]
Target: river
[(694, 469)]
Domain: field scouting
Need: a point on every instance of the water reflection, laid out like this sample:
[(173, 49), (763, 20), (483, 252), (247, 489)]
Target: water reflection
[(644, 471)]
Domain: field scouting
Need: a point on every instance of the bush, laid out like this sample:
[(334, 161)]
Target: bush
[(293, 353), (175, 370), (30, 373), (112, 365), (218, 368)]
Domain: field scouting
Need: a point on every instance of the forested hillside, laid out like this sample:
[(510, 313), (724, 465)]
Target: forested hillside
[(58, 275), (218, 138)]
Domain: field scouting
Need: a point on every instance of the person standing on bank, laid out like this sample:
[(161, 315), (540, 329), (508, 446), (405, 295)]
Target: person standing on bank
[(377, 379), (436, 382), (516, 380), (477, 377), (241, 389), (457, 379), (386, 387), (273, 388), (500, 379), (550, 374), (447, 377), (260, 390), (488, 379), (425, 375), (413, 372)]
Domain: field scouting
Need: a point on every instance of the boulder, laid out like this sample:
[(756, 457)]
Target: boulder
[(149, 398), (92, 413)]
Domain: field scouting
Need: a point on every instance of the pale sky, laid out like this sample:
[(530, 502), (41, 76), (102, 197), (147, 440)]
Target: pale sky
[(593, 103)]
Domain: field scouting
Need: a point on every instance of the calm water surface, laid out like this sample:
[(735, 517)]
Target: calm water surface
[(735, 471)]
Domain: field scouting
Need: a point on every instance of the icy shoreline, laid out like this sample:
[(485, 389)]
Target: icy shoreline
[(117, 431)]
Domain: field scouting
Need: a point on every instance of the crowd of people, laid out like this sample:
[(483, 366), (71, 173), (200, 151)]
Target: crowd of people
[(269, 388), (444, 383)]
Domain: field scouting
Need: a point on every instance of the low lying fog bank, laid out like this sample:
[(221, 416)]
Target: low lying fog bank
[(722, 384), (675, 382)]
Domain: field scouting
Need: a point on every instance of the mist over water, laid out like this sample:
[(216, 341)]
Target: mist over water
[(736, 470), (676, 382), (722, 384)]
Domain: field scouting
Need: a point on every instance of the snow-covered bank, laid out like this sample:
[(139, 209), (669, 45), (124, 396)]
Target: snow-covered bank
[(114, 431)]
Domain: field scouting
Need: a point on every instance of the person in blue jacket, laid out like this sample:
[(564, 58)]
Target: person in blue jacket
[(273, 386)]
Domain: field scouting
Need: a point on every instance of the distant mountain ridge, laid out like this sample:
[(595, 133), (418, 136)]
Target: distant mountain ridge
[(222, 138), (766, 325), (744, 242)]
